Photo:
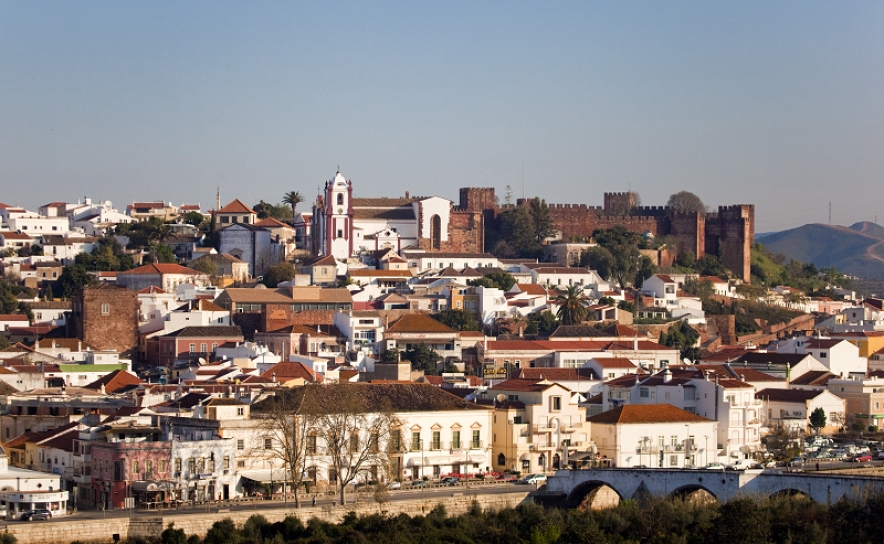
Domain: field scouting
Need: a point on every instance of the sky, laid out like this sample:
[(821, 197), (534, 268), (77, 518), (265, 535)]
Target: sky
[(776, 104)]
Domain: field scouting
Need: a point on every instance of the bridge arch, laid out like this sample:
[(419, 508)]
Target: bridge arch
[(792, 494), (694, 493), (594, 495)]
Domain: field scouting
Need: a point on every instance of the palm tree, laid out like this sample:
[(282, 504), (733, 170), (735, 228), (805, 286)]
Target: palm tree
[(292, 198), (572, 306)]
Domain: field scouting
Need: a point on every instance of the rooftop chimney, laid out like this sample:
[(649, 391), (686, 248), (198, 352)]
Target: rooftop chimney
[(667, 376)]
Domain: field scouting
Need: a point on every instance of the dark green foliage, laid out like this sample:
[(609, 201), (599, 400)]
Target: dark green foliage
[(173, 536), (793, 520), (501, 280), (142, 234), (281, 212), (422, 357), (543, 323), (459, 320), (279, 273), (107, 255), (683, 337), (72, 278), (627, 265), (818, 419)]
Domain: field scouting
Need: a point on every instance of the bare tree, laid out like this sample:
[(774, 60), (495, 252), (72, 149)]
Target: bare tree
[(284, 429), (685, 202), (353, 423)]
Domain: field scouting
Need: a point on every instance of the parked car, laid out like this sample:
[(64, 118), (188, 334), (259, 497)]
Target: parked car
[(533, 479), (796, 462), (34, 515), (394, 485), (864, 458), (714, 466), (507, 478), (419, 483), (450, 480), (740, 464)]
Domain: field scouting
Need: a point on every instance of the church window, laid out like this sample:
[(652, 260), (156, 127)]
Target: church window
[(340, 199)]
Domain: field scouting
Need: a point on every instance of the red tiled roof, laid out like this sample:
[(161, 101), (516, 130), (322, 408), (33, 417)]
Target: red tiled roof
[(287, 370), (116, 380), (162, 268), (646, 413), (418, 323), (236, 206)]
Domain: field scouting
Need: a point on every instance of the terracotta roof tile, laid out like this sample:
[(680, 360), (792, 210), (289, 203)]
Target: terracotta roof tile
[(236, 206), (646, 414)]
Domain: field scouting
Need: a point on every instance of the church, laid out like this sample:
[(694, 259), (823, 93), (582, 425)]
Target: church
[(344, 226)]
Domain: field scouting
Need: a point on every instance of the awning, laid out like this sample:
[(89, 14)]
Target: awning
[(145, 486), (580, 456), (264, 476)]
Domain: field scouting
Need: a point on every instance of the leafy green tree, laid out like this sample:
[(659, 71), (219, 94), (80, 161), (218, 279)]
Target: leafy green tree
[(107, 255), (646, 269), (500, 280), (818, 419), (292, 198), (457, 319), (161, 253), (193, 218), (206, 265), (623, 246), (683, 337), (543, 224), (279, 273), (392, 355), (8, 300), (72, 278), (171, 535), (710, 265), (572, 305), (422, 357), (598, 259), (542, 323), (280, 212)]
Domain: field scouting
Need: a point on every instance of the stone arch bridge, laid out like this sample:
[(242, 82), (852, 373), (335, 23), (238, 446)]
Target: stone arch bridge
[(603, 488)]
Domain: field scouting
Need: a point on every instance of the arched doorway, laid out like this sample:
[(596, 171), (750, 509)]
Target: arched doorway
[(436, 231)]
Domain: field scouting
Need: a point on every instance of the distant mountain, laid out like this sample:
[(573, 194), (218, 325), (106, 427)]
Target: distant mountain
[(856, 250), (867, 227)]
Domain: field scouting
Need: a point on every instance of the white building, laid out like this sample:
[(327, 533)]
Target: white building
[(654, 435)]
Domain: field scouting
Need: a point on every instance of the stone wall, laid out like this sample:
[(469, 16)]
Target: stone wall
[(150, 526), (113, 329)]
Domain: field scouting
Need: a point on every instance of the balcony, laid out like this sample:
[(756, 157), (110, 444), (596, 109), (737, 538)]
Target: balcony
[(477, 445)]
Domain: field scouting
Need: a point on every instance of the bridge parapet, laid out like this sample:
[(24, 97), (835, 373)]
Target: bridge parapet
[(723, 485)]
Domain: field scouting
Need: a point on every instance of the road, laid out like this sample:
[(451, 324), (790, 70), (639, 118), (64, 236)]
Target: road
[(404, 494)]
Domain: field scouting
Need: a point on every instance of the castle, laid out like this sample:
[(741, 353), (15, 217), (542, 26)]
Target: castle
[(343, 225), (727, 234)]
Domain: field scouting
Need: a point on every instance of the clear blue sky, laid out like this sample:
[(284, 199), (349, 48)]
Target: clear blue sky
[(778, 104)]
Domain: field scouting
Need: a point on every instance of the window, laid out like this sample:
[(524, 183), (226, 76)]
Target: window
[(105, 309), (204, 348), (226, 464), (191, 465), (354, 442), (311, 444), (415, 441), (240, 463), (395, 440), (437, 441), (643, 392), (555, 404), (240, 411), (193, 348), (161, 465), (240, 444), (178, 464), (340, 199), (476, 442), (211, 465), (455, 440), (268, 443), (373, 441), (135, 467)]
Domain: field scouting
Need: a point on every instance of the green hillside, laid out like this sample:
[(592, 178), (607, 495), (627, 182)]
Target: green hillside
[(830, 246)]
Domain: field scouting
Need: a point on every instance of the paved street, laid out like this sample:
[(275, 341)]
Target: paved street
[(405, 494)]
